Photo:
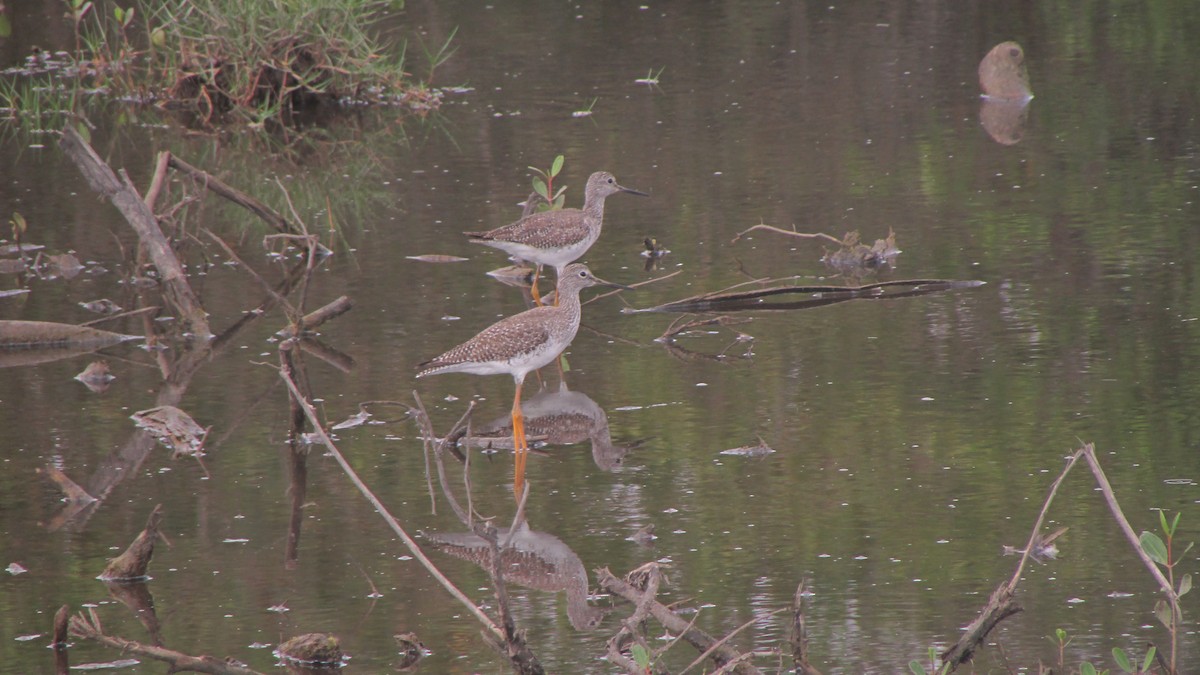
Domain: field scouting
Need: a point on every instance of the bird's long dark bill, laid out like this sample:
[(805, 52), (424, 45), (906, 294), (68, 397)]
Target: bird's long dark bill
[(633, 192)]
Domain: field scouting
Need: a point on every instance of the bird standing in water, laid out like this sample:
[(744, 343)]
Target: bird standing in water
[(519, 344), (556, 237)]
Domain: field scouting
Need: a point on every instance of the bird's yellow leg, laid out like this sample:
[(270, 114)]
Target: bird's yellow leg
[(537, 300)]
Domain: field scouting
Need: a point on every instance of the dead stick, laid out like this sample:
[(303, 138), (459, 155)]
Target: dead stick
[(670, 620), (317, 317), (60, 627), (156, 184), (124, 196), (264, 212), (255, 275), (800, 634), (383, 512), (790, 233), (728, 636), (88, 628), (1089, 454), (1035, 534), (1001, 604)]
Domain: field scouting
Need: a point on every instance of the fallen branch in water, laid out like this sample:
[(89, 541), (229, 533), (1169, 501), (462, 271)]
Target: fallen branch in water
[(419, 555), (264, 212), (728, 300), (124, 196), (135, 561), (720, 653), (87, 626)]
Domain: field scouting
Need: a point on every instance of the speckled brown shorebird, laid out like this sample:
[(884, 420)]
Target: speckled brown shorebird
[(556, 237), (519, 344)]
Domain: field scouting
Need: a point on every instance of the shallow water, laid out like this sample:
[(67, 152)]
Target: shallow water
[(913, 437)]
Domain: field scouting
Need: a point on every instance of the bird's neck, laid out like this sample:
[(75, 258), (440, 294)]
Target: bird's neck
[(594, 207)]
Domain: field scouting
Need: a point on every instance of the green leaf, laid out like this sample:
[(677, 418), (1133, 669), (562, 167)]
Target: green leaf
[(19, 223), (640, 656), (1148, 660), (916, 667), (539, 186), (119, 14), (1154, 547), (5, 26), (557, 166), (1122, 659), (1185, 585), (565, 366), (1162, 611), (1162, 522), (1086, 668)]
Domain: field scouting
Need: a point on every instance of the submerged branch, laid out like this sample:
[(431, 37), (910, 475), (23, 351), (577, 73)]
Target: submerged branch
[(382, 510), (87, 627)]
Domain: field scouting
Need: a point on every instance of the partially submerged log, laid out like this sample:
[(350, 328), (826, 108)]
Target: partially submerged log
[(124, 196), (87, 627), (133, 563)]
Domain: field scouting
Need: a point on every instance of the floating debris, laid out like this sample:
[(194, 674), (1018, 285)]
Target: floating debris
[(316, 649), (644, 536), (411, 650), (1042, 549), (15, 568), (173, 428), (653, 248), (760, 450), (854, 256), (96, 376), (436, 258), (101, 306), (353, 421)]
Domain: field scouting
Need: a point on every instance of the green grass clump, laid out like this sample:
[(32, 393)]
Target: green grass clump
[(249, 60), (275, 57)]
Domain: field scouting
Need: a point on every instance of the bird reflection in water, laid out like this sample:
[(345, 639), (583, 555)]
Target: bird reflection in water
[(537, 560), (564, 417)]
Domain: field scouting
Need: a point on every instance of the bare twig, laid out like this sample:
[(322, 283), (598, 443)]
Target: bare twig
[(790, 233), (1089, 454), (264, 212), (156, 183), (316, 318), (673, 622), (728, 636), (490, 626)]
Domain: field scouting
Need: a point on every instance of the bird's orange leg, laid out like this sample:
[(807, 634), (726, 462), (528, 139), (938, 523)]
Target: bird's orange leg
[(537, 300), (520, 447)]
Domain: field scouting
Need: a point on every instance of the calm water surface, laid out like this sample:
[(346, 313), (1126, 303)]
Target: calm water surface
[(914, 437)]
